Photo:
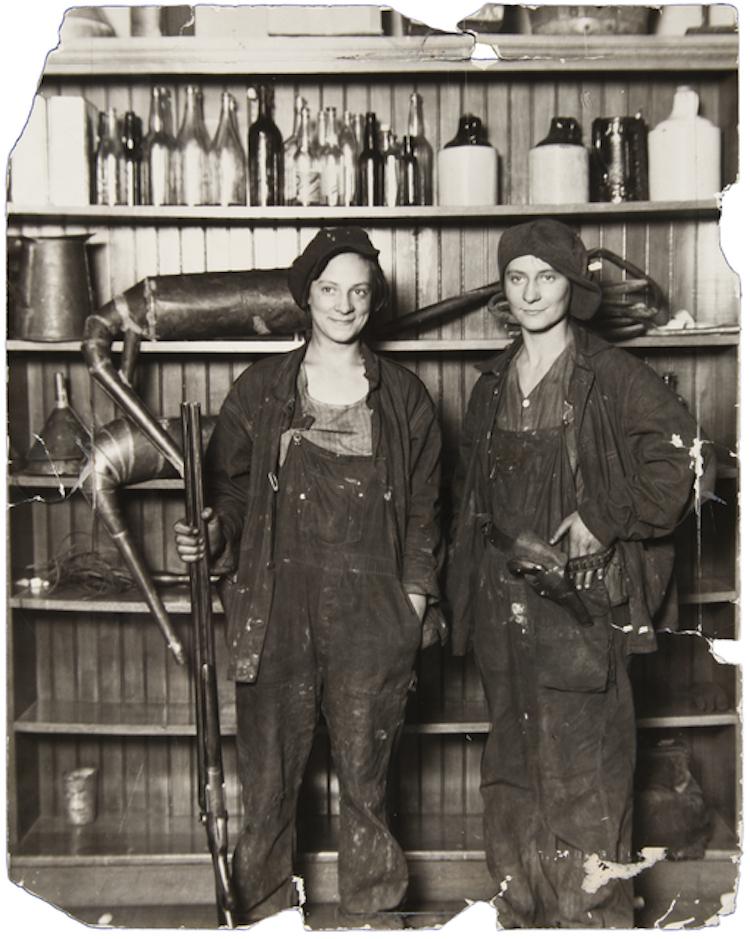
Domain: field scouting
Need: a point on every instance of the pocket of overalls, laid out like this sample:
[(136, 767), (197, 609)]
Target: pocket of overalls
[(334, 508), (571, 657)]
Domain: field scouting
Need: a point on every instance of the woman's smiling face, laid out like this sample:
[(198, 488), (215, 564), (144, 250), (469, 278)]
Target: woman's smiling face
[(538, 295), (341, 298)]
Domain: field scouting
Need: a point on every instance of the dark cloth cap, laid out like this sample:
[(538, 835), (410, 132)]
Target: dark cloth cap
[(326, 244), (560, 246)]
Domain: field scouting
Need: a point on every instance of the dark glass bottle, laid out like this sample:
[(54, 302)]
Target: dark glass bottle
[(371, 165), (422, 150), (132, 147), (411, 191), (109, 160), (266, 154)]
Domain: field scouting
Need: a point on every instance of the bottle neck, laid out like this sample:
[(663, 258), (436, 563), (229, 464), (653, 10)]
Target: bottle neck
[(371, 134), (265, 102), (416, 121), (304, 131)]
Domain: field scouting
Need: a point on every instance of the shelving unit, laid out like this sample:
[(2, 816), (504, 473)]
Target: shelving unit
[(91, 680)]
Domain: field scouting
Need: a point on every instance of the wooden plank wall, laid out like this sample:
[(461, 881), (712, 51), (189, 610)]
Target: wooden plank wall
[(122, 659)]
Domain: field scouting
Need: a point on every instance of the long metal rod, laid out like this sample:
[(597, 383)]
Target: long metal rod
[(211, 796)]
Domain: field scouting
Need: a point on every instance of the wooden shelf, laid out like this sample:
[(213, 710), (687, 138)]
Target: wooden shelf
[(165, 720), (176, 600), (658, 339), (709, 591), (152, 840), (28, 481), (212, 215), (386, 55)]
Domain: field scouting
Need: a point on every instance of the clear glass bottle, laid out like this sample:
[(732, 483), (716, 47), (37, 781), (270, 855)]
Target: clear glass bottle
[(193, 174), (370, 189), (330, 162), (411, 191), (265, 154), (228, 163), (349, 156), (422, 149), (132, 148), (109, 160), (306, 173), (290, 148), (159, 151), (391, 166)]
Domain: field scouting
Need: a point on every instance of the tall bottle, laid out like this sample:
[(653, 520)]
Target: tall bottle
[(330, 162), (391, 166), (358, 127), (265, 154), (306, 174), (227, 157), (132, 147), (349, 157), (159, 151), (370, 191), (109, 160), (422, 148), (193, 174), (290, 148), (318, 141), (411, 188)]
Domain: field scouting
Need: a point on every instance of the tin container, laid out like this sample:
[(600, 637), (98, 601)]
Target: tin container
[(79, 787), (51, 296), (619, 170)]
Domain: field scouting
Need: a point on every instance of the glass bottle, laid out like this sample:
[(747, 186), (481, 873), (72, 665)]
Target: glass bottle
[(370, 191), (349, 156), (290, 148), (265, 154), (132, 147), (422, 149), (358, 127), (109, 160), (391, 166), (159, 151), (228, 165), (330, 162), (306, 174), (411, 191), (193, 175), (318, 141)]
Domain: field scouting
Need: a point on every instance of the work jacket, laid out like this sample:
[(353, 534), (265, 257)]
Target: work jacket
[(636, 446), (242, 468)]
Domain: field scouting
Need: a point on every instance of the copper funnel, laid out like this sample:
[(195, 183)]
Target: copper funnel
[(61, 445)]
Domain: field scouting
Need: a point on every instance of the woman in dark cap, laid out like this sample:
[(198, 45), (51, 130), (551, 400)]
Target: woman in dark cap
[(575, 468), (323, 474)]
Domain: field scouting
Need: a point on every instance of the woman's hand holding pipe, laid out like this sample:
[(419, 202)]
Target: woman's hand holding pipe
[(581, 543), (190, 543)]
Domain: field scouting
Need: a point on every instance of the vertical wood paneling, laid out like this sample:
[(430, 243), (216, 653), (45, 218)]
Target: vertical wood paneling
[(124, 659)]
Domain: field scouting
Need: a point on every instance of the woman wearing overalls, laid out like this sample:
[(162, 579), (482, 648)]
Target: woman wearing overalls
[(575, 457), (323, 477)]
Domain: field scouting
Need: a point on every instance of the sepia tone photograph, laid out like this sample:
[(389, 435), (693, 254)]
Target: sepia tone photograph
[(372, 531)]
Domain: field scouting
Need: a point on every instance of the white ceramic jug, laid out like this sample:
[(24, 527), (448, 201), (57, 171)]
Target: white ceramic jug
[(684, 153)]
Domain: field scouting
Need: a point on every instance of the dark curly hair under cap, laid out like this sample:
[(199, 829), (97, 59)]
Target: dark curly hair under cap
[(561, 247), (325, 245)]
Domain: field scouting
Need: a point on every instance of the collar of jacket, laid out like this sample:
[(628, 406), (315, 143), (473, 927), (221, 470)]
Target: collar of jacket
[(286, 385), (587, 345)]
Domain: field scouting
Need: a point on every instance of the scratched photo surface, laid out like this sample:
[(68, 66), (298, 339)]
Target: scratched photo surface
[(559, 743)]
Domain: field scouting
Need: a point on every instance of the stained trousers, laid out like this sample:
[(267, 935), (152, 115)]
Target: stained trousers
[(341, 640)]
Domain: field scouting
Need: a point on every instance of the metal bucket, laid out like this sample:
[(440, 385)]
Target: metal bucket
[(51, 296)]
